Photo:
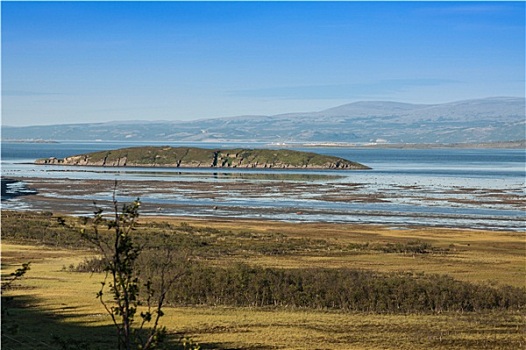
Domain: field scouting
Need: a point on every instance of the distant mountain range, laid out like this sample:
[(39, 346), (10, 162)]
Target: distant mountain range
[(496, 119)]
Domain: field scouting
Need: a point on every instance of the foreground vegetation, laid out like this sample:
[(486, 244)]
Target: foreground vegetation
[(252, 286)]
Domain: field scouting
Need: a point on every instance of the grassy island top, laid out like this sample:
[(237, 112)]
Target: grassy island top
[(192, 157)]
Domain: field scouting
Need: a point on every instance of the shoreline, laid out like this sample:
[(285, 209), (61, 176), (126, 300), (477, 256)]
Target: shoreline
[(521, 144), (333, 226), (516, 144), (310, 228), (245, 200), (8, 193)]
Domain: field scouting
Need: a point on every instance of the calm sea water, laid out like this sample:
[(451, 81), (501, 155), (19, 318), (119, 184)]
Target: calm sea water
[(455, 162), (421, 187)]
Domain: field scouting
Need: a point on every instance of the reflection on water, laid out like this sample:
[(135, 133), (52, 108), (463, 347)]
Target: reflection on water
[(209, 174)]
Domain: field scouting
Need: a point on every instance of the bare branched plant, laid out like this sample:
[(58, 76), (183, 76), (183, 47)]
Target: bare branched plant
[(123, 282), (8, 325), (7, 281)]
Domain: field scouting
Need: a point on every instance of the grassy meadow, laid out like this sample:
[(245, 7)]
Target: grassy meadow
[(54, 305)]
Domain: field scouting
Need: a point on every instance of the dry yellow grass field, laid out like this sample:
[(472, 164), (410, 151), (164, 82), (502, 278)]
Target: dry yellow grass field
[(63, 303), (473, 255)]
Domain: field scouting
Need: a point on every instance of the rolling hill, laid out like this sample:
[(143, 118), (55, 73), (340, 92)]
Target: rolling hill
[(496, 119)]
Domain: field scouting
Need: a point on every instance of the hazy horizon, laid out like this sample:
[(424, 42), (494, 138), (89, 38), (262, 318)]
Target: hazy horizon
[(138, 121), (92, 62)]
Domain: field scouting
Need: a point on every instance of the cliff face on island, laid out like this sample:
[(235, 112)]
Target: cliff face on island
[(184, 157)]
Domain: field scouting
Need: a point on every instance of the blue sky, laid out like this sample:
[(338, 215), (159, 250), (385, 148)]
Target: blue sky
[(71, 62)]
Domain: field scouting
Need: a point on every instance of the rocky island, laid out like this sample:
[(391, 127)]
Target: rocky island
[(192, 157)]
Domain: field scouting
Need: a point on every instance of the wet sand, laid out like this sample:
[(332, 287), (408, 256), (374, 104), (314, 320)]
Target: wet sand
[(294, 201)]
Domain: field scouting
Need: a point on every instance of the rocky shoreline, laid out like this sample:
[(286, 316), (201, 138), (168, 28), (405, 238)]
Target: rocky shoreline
[(12, 188), (184, 157)]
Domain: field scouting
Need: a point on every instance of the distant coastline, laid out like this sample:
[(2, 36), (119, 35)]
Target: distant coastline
[(30, 141), (381, 145)]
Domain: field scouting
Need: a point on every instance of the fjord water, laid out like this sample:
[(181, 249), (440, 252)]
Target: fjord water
[(432, 187)]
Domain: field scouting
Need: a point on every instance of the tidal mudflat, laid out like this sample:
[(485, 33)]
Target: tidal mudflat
[(288, 197), (465, 188)]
